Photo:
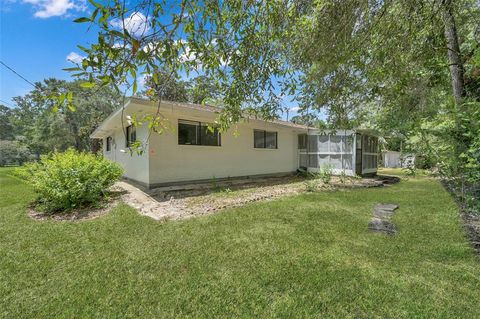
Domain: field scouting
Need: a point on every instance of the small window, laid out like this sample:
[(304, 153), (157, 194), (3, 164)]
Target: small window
[(264, 139), (131, 135), (198, 133), (109, 144)]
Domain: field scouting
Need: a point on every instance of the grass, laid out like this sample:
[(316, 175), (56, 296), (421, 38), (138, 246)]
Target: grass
[(303, 256)]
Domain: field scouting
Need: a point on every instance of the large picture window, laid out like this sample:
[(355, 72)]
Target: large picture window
[(131, 135), (197, 133), (265, 139)]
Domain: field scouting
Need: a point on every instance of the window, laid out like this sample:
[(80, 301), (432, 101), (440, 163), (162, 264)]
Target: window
[(109, 144), (197, 133), (131, 135), (264, 139)]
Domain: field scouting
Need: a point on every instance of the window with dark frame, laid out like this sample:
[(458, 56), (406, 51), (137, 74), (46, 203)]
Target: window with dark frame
[(109, 144), (265, 139), (131, 133), (198, 133)]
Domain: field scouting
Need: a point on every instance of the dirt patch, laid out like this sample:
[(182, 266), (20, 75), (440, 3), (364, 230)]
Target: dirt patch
[(80, 214), (200, 199), (472, 225)]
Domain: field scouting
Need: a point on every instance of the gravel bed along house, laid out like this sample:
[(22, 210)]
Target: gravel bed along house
[(177, 202)]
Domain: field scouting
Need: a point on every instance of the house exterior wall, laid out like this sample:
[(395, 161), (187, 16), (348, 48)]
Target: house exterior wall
[(135, 166), (170, 162)]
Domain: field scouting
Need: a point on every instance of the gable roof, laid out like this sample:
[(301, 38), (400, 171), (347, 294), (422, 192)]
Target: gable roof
[(109, 123)]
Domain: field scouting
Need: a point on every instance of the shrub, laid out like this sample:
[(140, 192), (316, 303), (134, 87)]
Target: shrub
[(13, 153), (343, 177), (71, 179), (325, 173), (311, 184)]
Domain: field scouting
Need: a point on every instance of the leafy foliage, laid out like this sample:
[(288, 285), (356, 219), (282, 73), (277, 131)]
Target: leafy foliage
[(13, 153), (325, 173), (200, 89), (6, 127), (71, 179), (38, 125)]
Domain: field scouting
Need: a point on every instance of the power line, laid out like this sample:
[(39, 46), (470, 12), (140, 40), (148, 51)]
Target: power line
[(17, 74), (7, 103)]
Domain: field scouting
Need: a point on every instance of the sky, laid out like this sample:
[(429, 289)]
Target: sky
[(38, 38)]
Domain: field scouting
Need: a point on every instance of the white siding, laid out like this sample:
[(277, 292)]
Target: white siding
[(171, 162), (135, 166)]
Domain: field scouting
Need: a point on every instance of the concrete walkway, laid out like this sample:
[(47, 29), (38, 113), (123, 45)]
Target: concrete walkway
[(146, 204)]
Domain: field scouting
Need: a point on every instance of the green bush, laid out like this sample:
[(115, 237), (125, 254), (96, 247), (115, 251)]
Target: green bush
[(325, 173), (13, 153), (311, 185), (71, 179)]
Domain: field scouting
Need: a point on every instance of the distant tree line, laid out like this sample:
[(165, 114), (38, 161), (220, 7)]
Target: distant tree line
[(35, 127)]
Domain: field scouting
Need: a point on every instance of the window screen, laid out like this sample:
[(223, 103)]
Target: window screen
[(323, 143), (264, 139), (198, 133), (335, 144), (303, 160), (336, 161), (347, 162), (259, 139), (131, 135), (302, 141)]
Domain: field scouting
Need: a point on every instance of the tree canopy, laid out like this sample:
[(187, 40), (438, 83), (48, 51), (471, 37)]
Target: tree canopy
[(36, 124)]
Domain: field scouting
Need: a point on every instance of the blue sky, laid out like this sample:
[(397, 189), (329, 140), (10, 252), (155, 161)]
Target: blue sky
[(36, 38)]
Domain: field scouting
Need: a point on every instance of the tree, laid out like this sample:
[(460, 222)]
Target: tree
[(392, 65), (230, 41), (203, 89), (163, 85), (44, 129), (7, 131), (13, 153)]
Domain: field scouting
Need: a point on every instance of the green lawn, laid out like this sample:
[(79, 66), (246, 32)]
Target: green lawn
[(303, 256)]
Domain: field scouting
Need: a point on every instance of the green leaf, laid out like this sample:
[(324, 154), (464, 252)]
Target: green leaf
[(82, 20), (87, 85), (97, 5), (72, 69), (71, 107), (134, 86)]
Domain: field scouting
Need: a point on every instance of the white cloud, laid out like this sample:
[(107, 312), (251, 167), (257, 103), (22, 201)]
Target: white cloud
[(294, 109), (136, 24), (55, 8), (74, 57)]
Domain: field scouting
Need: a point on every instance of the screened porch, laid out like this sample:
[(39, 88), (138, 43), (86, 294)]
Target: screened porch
[(347, 151)]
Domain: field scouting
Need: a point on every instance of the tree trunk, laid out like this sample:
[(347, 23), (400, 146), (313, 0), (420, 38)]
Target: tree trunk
[(455, 60)]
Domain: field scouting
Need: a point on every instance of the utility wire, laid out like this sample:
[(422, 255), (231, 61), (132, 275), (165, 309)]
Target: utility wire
[(7, 103), (18, 74)]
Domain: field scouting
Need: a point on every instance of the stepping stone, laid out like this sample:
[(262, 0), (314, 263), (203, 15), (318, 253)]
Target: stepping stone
[(390, 207), (382, 226), (384, 210), (382, 214)]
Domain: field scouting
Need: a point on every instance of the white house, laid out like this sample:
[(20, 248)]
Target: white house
[(189, 151)]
